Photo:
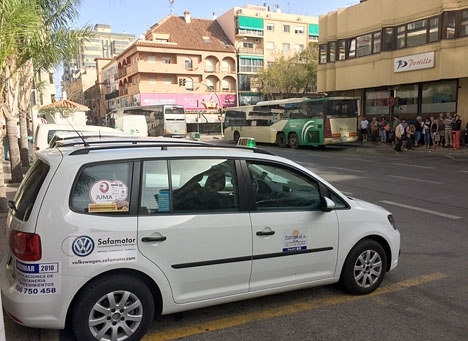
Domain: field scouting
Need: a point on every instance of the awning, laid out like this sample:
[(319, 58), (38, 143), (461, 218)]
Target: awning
[(250, 23), (313, 29)]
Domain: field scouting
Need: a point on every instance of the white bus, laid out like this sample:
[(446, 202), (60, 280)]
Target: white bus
[(167, 120)]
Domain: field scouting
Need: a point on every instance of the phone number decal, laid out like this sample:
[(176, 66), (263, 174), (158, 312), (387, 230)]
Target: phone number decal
[(38, 278)]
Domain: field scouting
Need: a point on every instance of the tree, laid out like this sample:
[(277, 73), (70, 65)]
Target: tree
[(34, 36), (287, 76)]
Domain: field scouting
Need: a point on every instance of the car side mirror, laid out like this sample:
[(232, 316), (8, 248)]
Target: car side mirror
[(328, 205)]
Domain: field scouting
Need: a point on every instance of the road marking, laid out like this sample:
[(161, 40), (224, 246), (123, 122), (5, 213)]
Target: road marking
[(348, 170), (409, 165), (440, 214), (297, 307), (463, 171), (415, 179), (354, 159)]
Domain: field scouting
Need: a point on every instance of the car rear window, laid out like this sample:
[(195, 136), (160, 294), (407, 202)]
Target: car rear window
[(28, 190)]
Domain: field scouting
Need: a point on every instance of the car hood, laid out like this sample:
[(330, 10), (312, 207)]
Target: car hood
[(362, 204)]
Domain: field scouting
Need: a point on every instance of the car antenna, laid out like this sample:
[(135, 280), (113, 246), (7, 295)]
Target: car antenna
[(80, 134)]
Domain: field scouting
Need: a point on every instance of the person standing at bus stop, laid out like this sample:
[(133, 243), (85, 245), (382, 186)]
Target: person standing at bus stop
[(456, 130), (364, 128), (399, 134)]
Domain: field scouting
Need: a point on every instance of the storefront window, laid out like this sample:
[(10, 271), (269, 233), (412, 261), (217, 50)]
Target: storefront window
[(376, 102), (406, 100), (439, 97)]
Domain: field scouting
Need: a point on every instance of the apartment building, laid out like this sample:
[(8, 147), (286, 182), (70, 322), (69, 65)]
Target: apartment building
[(204, 64), (80, 74), (405, 58), (261, 34), (180, 60)]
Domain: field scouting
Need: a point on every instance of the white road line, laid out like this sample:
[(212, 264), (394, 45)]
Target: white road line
[(414, 179), (463, 171), (440, 214), (362, 160), (415, 166), (348, 170)]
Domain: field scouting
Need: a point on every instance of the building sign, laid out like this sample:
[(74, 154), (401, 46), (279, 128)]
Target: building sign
[(414, 62)]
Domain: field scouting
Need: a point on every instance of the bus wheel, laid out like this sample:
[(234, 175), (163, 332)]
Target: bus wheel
[(236, 136), (293, 141), (281, 140)]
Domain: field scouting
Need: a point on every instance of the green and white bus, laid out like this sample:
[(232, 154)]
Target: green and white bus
[(295, 122)]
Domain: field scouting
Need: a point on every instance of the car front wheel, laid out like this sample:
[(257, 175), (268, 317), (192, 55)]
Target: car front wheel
[(114, 307), (364, 268)]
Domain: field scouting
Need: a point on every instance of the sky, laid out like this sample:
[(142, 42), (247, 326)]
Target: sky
[(137, 16)]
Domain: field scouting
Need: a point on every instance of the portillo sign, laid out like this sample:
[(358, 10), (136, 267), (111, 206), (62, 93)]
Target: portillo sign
[(414, 62)]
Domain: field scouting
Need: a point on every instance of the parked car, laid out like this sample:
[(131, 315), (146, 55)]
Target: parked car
[(45, 132), (105, 236)]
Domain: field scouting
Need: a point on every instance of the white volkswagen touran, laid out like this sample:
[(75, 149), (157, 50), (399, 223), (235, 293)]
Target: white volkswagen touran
[(105, 236)]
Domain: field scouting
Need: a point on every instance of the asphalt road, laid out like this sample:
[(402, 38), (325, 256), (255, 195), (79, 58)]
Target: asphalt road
[(425, 298)]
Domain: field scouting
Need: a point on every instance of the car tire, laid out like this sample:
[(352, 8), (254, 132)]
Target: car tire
[(364, 268), (293, 141), (281, 140), (114, 307), (236, 136)]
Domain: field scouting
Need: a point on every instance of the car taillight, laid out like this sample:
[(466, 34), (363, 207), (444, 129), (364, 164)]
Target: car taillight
[(25, 246)]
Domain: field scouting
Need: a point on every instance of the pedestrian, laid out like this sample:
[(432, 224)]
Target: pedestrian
[(399, 134), (364, 128), (418, 132), (396, 122), (456, 130), (384, 128), (410, 140), (448, 122), (374, 129), (427, 132), (440, 130), (435, 137)]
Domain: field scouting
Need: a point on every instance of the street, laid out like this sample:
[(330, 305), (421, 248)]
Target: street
[(423, 299)]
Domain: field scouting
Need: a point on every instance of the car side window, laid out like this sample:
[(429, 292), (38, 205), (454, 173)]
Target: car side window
[(155, 195), (278, 187), (102, 188), (204, 185)]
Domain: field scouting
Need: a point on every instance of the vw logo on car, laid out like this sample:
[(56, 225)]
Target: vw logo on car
[(83, 246)]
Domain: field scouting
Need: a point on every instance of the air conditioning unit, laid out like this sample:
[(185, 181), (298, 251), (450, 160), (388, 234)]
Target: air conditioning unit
[(256, 41)]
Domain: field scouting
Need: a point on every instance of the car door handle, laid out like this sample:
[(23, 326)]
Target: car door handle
[(153, 239), (265, 233)]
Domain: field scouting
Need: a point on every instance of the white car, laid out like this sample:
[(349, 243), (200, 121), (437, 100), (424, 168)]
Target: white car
[(104, 237)]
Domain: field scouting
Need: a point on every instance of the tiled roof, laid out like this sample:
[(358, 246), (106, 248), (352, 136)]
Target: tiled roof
[(65, 103), (191, 35)]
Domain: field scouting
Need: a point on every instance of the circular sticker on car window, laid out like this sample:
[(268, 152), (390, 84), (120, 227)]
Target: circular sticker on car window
[(107, 195)]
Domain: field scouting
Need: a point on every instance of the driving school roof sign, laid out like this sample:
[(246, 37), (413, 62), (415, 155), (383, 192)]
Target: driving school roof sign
[(414, 62)]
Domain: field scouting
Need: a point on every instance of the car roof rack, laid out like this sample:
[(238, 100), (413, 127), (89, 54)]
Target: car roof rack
[(135, 142)]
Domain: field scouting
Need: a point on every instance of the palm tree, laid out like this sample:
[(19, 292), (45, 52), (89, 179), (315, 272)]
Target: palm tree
[(34, 36)]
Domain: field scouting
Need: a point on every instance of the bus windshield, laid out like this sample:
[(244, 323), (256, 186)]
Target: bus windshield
[(295, 122)]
